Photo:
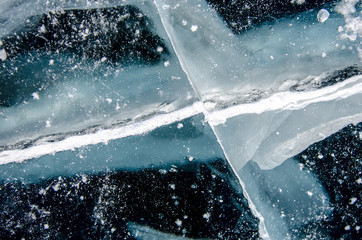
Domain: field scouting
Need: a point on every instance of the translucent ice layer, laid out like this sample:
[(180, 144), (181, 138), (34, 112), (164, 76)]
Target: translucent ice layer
[(227, 69), (61, 85), (185, 141)]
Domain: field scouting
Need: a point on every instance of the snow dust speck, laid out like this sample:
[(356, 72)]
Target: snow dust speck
[(159, 49), (48, 124), (347, 228), (56, 187), (193, 186), (51, 62), (191, 158), (324, 54), (162, 171), (184, 22), (360, 135), (103, 59), (46, 226), (320, 156), (323, 15), (357, 228), (109, 101), (166, 64), (35, 95), (271, 57), (3, 54), (180, 125), (194, 28), (172, 186), (309, 193), (352, 200), (299, 2), (42, 29), (42, 191), (340, 29), (117, 106), (178, 222), (206, 216)]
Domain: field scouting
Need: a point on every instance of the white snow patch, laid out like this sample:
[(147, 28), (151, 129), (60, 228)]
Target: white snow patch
[(35, 95), (117, 106), (3, 54), (194, 28), (178, 222), (180, 125), (353, 24), (353, 200), (172, 186), (51, 62), (48, 123), (56, 187), (206, 216), (347, 228), (42, 29), (322, 15), (299, 2), (109, 101), (103, 59), (159, 49)]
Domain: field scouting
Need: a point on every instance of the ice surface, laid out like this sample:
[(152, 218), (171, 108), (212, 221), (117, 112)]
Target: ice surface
[(167, 144), (60, 92), (268, 96), (257, 62), (156, 200), (288, 197), (290, 122)]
